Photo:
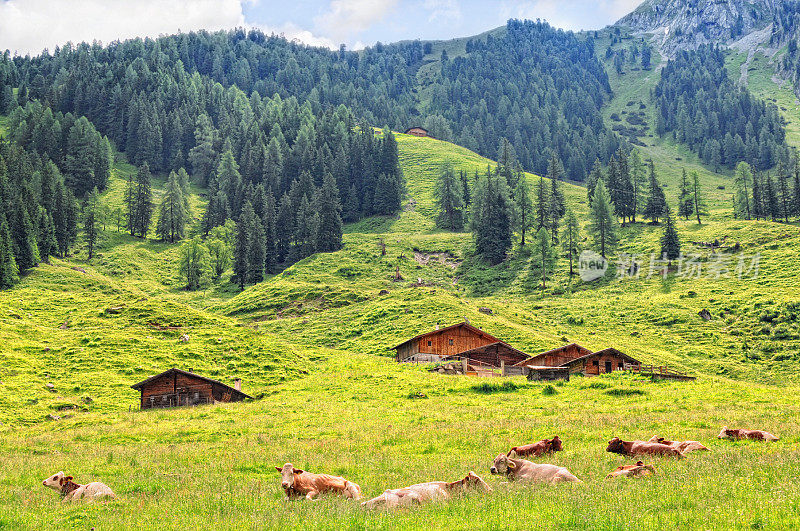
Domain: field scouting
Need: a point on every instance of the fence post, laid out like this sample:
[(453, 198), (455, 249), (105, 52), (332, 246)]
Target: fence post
[(502, 368), (464, 365)]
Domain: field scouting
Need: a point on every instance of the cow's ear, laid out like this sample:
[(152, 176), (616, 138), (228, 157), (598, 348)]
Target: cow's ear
[(511, 464), (297, 471), (279, 468)]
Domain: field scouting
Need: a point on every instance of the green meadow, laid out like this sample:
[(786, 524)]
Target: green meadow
[(313, 346)]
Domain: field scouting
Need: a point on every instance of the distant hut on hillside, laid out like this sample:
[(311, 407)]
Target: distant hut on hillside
[(175, 387), (448, 341), (557, 356), (601, 362), (418, 131)]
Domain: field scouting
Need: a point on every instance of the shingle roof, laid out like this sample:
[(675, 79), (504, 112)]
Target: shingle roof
[(174, 370), (464, 324)]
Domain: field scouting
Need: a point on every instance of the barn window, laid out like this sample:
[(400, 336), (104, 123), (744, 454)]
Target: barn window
[(430, 343), (451, 342), (596, 363)]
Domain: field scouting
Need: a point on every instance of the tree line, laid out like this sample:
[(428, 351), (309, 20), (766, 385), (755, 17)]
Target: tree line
[(702, 107), (768, 195)]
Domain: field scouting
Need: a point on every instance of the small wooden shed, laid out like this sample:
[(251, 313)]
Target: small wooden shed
[(558, 356), (447, 341), (495, 354), (176, 387), (601, 362), (417, 131)]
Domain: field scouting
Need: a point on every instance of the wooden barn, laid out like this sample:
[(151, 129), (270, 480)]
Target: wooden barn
[(601, 362), (175, 387), (558, 356), (495, 354), (449, 341), (418, 131)]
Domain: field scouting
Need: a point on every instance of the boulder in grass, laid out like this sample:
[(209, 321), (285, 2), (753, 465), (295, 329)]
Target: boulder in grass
[(487, 311), (705, 315)]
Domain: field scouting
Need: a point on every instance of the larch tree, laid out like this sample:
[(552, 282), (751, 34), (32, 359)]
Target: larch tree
[(90, 221), (603, 221), (570, 236), (449, 195), (544, 256), (523, 208), (698, 204), (685, 197), (742, 181), (172, 212), (557, 205), (195, 266)]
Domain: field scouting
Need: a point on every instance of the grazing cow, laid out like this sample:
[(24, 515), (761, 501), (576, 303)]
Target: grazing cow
[(71, 491), (423, 492), (683, 447), (523, 470), (632, 471), (758, 435), (296, 483), (632, 448), (545, 446)]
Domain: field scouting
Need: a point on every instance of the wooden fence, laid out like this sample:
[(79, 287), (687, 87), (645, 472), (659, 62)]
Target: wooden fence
[(658, 371)]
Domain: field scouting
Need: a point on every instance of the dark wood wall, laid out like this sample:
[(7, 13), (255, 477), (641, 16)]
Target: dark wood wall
[(173, 390), (451, 342), (559, 356), (596, 364)]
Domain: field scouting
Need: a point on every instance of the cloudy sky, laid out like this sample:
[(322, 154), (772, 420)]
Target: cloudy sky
[(28, 26)]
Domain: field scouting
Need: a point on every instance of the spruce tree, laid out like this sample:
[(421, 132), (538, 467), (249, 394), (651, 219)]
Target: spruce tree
[(541, 198), (241, 250), (90, 221), (603, 221), (256, 249), (743, 178), (351, 209), (770, 198), (172, 214), (491, 218), (329, 235), (9, 272), (784, 196), (465, 186), (284, 229), (47, 243), (757, 204), (796, 187), (656, 202), (305, 232), (269, 220), (449, 196), (23, 236), (670, 242), (685, 197), (203, 156), (556, 207), (570, 236), (523, 208), (638, 181), (594, 177)]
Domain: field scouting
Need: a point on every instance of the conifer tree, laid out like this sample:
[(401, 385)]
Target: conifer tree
[(784, 195), (796, 187), (284, 229), (23, 236), (656, 202), (670, 242), (65, 219), (449, 196), (744, 176), (770, 198), (203, 156), (602, 222), (142, 198), (491, 218), (523, 208), (541, 198), (172, 213), (9, 272), (329, 235), (570, 236), (638, 181), (543, 256), (90, 221), (685, 197), (698, 204), (47, 243), (465, 187), (256, 249), (757, 204), (351, 209), (556, 208), (306, 227), (594, 177), (241, 250), (268, 219)]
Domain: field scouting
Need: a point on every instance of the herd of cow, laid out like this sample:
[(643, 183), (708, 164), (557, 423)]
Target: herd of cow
[(299, 483)]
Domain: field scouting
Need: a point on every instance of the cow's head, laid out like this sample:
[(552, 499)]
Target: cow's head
[(616, 446), (503, 465), (725, 433), (57, 481), (555, 444), (287, 475), (471, 481)]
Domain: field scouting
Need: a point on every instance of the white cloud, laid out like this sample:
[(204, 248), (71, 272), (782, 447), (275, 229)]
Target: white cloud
[(443, 10), (347, 18), (28, 26), (571, 14)]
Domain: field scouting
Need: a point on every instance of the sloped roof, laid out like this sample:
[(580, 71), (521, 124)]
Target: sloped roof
[(465, 324), (170, 372), (415, 127), (555, 350), (484, 347), (609, 350)]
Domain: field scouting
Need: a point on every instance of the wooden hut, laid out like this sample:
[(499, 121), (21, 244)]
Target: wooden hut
[(558, 356), (601, 362), (175, 387), (448, 341), (495, 354), (417, 131), (539, 373)]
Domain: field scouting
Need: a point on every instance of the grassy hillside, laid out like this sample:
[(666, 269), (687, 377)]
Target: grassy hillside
[(312, 342)]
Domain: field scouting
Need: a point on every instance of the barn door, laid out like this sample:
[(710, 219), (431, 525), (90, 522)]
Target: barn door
[(609, 366)]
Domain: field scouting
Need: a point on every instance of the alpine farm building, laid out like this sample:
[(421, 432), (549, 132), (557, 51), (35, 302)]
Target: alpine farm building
[(175, 387)]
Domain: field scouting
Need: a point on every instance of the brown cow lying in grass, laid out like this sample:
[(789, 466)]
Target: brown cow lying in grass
[(423, 492), (632, 448), (683, 447), (296, 482), (545, 446), (758, 435), (71, 491), (632, 471), (523, 470)]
